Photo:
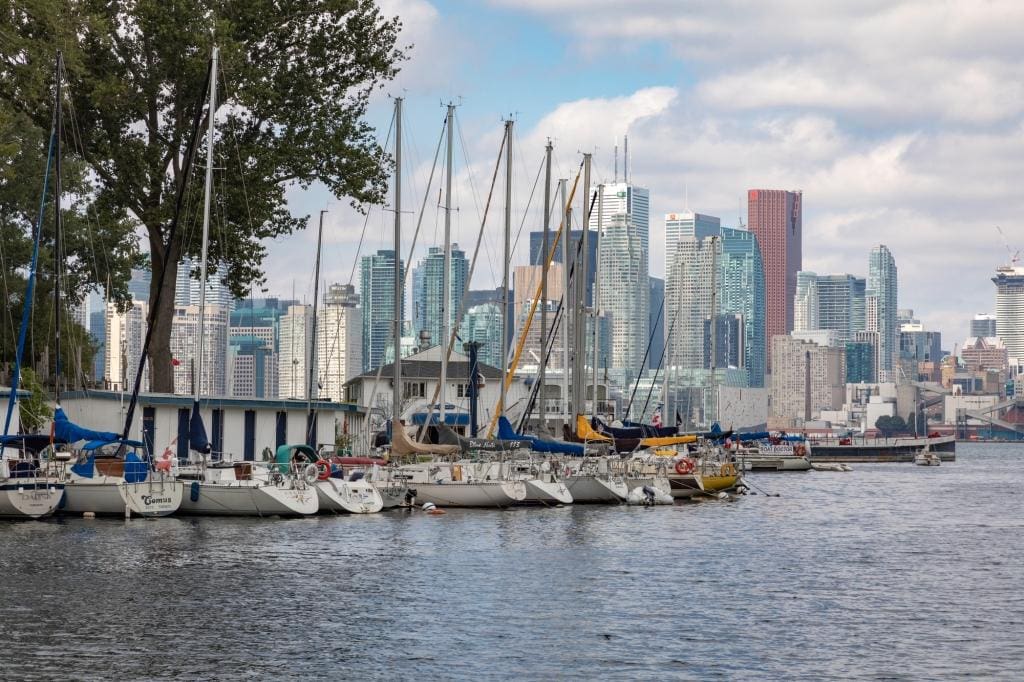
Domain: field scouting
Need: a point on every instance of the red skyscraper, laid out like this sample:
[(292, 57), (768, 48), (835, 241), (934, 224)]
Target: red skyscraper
[(774, 216)]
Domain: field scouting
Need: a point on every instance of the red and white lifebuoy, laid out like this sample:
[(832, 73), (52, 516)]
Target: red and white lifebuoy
[(685, 466), (323, 468)]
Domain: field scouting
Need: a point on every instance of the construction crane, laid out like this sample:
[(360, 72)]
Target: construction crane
[(1014, 255)]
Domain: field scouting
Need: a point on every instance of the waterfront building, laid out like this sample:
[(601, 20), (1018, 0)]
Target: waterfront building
[(775, 217), (377, 291), (125, 335), (1009, 281), (742, 292), (805, 306), (860, 362), (339, 341), (294, 345), (656, 322), (185, 344), (984, 325), (806, 378), (428, 290), (623, 215), (882, 283)]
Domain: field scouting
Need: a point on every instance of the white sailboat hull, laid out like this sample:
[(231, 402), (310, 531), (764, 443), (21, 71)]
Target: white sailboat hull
[(465, 494), (547, 492), (247, 498), (29, 498), (104, 495), (350, 497), (592, 489)]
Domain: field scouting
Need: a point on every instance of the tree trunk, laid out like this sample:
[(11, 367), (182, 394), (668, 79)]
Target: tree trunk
[(161, 318)]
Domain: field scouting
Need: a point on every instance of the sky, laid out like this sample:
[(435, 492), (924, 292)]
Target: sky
[(902, 121)]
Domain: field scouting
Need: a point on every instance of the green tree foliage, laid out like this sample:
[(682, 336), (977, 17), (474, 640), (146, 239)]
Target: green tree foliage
[(890, 426), (98, 244), (35, 409), (296, 79)]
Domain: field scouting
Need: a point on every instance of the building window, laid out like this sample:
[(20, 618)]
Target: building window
[(462, 390), (414, 389)]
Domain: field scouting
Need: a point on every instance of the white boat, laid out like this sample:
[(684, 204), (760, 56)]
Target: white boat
[(649, 496), (927, 459), (783, 457), (591, 480), (24, 492), (347, 496), (246, 489), (458, 485), (104, 483), (543, 481), (391, 485)]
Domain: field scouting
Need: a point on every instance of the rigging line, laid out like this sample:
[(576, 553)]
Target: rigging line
[(369, 211), (661, 360), (526, 211), (456, 326), (643, 362)]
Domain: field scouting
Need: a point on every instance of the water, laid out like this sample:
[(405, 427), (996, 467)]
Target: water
[(891, 571)]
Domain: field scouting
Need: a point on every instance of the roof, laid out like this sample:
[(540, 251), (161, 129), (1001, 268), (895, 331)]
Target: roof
[(214, 402), (427, 365)]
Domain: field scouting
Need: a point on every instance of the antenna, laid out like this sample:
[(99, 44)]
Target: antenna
[(625, 161), (616, 159)]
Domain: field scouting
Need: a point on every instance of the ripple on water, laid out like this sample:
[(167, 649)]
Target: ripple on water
[(887, 572)]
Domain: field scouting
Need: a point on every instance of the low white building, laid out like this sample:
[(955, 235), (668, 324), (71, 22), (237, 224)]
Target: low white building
[(420, 378), (954, 404), (240, 428)]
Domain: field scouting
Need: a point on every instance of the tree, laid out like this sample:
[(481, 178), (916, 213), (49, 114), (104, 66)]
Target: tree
[(35, 409), (296, 80), (98, 244), (890, 426)]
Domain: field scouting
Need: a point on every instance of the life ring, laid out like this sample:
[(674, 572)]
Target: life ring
[(684, 466), (165, 462), (310, 473), (799, 450), (323, 468)]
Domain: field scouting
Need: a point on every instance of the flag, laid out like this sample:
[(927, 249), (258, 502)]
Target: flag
[(175, 362)]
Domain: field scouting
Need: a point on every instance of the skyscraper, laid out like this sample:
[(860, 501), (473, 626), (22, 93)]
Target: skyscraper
[(841, 305), (656, 315), (125, 336), (482, 323), (805, 307), (1009, 281), (776, 219), (186, 287), (428, 291), (983, 325), (185, 345), (293, 355), (881, 306), (690, 292), (377, 290), (742, 292), (339, 340), (623, 214), (537, 243)]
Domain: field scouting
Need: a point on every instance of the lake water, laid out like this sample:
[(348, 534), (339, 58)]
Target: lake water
[(890, 571)]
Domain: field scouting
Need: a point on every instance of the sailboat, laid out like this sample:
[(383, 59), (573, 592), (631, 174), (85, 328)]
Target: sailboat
[(110, 474), (334, 491), (227, 488), (24, 491)]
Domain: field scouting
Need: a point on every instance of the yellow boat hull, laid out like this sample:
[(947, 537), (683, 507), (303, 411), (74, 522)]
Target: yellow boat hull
[(716, 484)]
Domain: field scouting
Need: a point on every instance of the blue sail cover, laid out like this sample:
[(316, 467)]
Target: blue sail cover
[(66, 430), (197, 439), (506, 432)]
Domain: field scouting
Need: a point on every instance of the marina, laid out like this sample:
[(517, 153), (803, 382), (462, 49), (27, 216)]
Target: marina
[(831, 574)]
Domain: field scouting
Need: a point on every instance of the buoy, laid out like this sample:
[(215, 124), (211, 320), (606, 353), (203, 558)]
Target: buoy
[(88, 515), (429, 506)]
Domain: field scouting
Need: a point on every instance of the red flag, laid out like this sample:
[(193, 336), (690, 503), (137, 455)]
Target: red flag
[(175, 362)]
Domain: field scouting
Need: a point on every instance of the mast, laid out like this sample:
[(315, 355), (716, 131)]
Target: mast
[(446, 294), (544, 285), (197, 366), (313, 384), (508, 255), (396, 391), (57, 230), (579, 377), (597, 293), (566, 298), (714, 320)]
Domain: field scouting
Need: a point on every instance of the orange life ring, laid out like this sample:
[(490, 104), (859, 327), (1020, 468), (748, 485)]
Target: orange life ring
[(684, 466), (799, 450), (323, 469)]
